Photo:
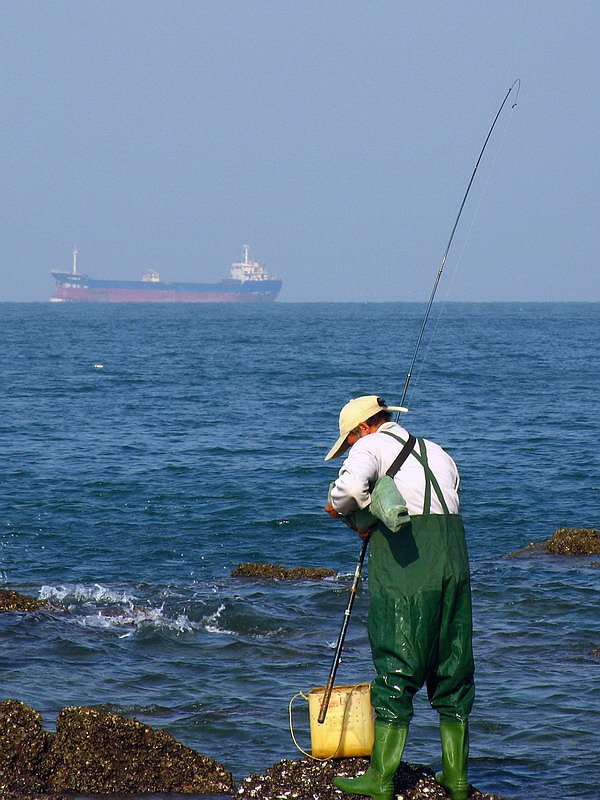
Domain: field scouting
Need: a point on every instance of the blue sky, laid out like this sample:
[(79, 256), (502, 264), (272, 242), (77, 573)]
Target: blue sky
[(335, 138)]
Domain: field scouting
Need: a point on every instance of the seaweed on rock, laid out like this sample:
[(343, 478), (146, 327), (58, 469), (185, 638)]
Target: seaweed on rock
[(266, 571), (24, 747), (15, 601), (565, 542), (98, 752)]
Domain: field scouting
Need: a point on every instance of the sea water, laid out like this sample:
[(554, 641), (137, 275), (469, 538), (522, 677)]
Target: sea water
[(147, 450)]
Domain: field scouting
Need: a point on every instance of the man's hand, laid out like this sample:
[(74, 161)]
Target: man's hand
[(329, 509)]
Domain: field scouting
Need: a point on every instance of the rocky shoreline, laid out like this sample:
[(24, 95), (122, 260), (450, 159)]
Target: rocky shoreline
[(96, 752), (313, 780)]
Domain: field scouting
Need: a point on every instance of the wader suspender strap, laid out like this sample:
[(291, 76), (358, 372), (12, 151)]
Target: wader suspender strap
[(430, 479), (402, 456)]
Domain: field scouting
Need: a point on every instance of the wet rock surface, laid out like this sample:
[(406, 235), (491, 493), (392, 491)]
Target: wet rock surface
[(14, 601), (97, 752), (7, 795), (313, 780), (566, 541), (101, 753), (24, 747), (281, 573), (574, 541)]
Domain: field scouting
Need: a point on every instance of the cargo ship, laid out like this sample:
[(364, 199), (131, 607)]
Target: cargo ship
[(249, 283)]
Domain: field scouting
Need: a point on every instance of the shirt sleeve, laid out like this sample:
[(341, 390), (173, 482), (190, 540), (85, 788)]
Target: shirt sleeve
[(357, 476)]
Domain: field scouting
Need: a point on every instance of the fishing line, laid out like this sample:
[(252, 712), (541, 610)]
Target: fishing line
[(449, 283), (457, 263), (515, 87)]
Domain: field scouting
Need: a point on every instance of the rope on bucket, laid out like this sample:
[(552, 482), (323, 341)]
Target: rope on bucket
[(301, 694), (348, 692)]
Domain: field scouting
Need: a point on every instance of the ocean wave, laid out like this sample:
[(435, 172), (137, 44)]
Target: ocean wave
[(115, 610), (230, 620), (137, 618), (210, 622), (82, 594), (122, 611)]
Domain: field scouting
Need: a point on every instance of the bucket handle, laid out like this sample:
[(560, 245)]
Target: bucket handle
[(309, 755), (291, 703)]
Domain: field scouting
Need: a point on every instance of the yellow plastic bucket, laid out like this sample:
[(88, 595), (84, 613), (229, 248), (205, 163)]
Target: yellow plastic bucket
[(348, 729)]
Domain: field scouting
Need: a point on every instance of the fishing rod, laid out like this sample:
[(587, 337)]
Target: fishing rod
[(516, 84), (361, 558), (340, 642)]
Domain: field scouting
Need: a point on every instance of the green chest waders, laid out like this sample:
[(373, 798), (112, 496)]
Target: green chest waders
[(420, 612)]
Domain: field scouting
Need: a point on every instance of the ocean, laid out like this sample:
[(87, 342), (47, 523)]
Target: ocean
[(147, 450)]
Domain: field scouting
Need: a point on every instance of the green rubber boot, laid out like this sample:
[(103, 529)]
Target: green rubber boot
[(455, 754), (377, 782)]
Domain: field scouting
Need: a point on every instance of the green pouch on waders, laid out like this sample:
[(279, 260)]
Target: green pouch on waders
[(387, 504)]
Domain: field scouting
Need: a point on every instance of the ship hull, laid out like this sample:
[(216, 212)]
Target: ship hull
[(87, 295), (72, 288)]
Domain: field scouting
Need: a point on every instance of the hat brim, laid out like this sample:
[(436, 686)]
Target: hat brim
[(340, 447)]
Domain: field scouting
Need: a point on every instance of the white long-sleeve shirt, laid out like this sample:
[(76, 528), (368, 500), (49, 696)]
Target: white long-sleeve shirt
[(371, 456)]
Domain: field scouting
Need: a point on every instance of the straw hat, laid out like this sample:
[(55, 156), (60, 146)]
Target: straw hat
[(352, 414)]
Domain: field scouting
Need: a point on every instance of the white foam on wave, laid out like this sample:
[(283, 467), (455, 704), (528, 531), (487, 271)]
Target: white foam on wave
[(137, 618), (82, 594), (115, 610), (210, 622)]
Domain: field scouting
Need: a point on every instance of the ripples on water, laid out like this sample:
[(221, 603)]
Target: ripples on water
[(130, 492)]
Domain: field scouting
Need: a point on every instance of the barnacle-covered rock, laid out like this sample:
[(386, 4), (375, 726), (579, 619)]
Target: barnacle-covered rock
[(15, 601), (566, 541), (24, 746), (574, 541), (98, 752), (281, 573), (313, 780)]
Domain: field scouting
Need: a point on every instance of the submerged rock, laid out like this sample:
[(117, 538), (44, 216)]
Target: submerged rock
[(313, 780), (14, 601), (281, 573), (566, 541)]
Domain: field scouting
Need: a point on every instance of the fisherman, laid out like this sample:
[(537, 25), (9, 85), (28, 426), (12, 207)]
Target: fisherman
[(419, 621)]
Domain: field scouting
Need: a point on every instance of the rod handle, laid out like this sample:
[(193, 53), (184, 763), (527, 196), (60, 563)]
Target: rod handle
[(342, 636)]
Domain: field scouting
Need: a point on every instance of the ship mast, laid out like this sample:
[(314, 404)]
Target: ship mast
[(75, 261)]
